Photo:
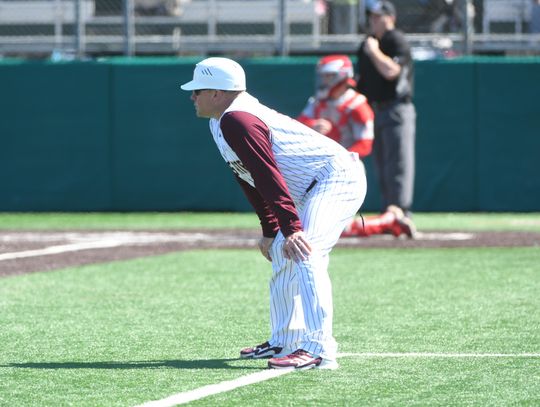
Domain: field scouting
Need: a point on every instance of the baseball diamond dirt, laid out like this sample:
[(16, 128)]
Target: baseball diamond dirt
[(33, 251)]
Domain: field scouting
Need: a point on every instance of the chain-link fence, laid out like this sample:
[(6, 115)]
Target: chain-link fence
[(78, 28)]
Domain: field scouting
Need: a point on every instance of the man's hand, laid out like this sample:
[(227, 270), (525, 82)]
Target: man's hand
[(323, 126), (296, 247), (371, 45), (264, 246), (386, 66)]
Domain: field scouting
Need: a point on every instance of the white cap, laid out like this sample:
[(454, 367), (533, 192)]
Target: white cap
[(217, 73)]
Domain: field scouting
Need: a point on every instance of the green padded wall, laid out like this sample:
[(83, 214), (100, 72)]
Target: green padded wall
[(446, 147), (164, 158), (120, 135), (509, 136), (54, 137)]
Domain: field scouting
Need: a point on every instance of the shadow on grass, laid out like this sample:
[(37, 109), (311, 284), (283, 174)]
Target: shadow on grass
[(144, 364)]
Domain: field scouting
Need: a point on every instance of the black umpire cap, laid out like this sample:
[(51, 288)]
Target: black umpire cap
[(383, 8)]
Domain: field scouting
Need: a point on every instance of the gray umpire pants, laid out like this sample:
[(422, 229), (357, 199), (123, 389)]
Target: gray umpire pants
[(394, 152)]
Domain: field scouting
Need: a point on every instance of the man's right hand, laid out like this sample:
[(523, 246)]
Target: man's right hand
[(296, 247), (371, 45), (264, 246)]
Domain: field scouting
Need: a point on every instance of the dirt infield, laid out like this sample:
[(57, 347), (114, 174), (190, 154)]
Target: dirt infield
[(33, 251)]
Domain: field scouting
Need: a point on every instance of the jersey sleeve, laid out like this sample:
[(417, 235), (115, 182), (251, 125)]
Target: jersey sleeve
[(308, 121), (307, 116), (269, 222), (249, 138), (361, 118), (400, 51), (361, 147), (362, 113)]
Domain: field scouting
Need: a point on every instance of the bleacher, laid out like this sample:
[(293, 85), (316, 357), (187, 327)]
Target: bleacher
[(207, 12), (31, 12), (43, 24), (515, 12), (205, 26)]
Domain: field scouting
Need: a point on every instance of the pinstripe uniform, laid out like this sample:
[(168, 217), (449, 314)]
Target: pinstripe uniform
[(323, 186)]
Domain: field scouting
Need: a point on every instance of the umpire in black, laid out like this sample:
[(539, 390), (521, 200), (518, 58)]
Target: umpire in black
[(385, 77)]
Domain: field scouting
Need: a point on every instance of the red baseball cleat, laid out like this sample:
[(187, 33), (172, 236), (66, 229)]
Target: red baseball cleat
[(299, 359), (402, 224)]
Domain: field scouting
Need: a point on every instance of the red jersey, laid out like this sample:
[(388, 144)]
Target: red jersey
[(351, 118)]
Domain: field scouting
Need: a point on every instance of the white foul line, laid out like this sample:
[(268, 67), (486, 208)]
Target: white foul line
[(211, 389), (98, 240), (201, 392), (61, 249), (102, 240), (439, 355)]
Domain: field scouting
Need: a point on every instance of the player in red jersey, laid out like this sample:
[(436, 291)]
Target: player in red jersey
[(343, 114)]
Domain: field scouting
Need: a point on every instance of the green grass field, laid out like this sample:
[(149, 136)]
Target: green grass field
[(424, 221), (443, 327)]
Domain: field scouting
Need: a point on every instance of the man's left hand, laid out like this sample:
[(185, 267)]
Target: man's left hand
[(264, 246)]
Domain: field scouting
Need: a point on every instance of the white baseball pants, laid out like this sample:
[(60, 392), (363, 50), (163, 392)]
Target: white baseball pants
[(301, 308)]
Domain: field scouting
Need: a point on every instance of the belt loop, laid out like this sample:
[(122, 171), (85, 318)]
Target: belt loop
[(311, 185)]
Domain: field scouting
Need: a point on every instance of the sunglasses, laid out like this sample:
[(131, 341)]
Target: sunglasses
[(197, 92)]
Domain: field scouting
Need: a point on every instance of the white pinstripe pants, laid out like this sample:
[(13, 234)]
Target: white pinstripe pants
[(301, 308)]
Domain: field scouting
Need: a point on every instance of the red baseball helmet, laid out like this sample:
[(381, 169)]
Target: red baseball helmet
[(332, 71)]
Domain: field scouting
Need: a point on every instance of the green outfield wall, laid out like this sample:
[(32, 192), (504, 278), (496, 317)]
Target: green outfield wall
[(120, 135)]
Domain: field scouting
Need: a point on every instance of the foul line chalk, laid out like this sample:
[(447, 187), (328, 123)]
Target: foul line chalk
[(211, 389), (60, 249), (186, 397), (440, 355)]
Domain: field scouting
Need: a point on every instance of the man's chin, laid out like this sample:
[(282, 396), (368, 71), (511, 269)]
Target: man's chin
[(201, 115)]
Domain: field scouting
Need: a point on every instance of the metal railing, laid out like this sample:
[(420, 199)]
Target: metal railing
[(81, 28)]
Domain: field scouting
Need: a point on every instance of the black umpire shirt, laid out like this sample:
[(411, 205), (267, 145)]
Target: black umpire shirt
[(373, 85)]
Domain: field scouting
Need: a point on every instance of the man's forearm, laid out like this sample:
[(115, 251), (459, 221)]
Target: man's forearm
[(386, 66)]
